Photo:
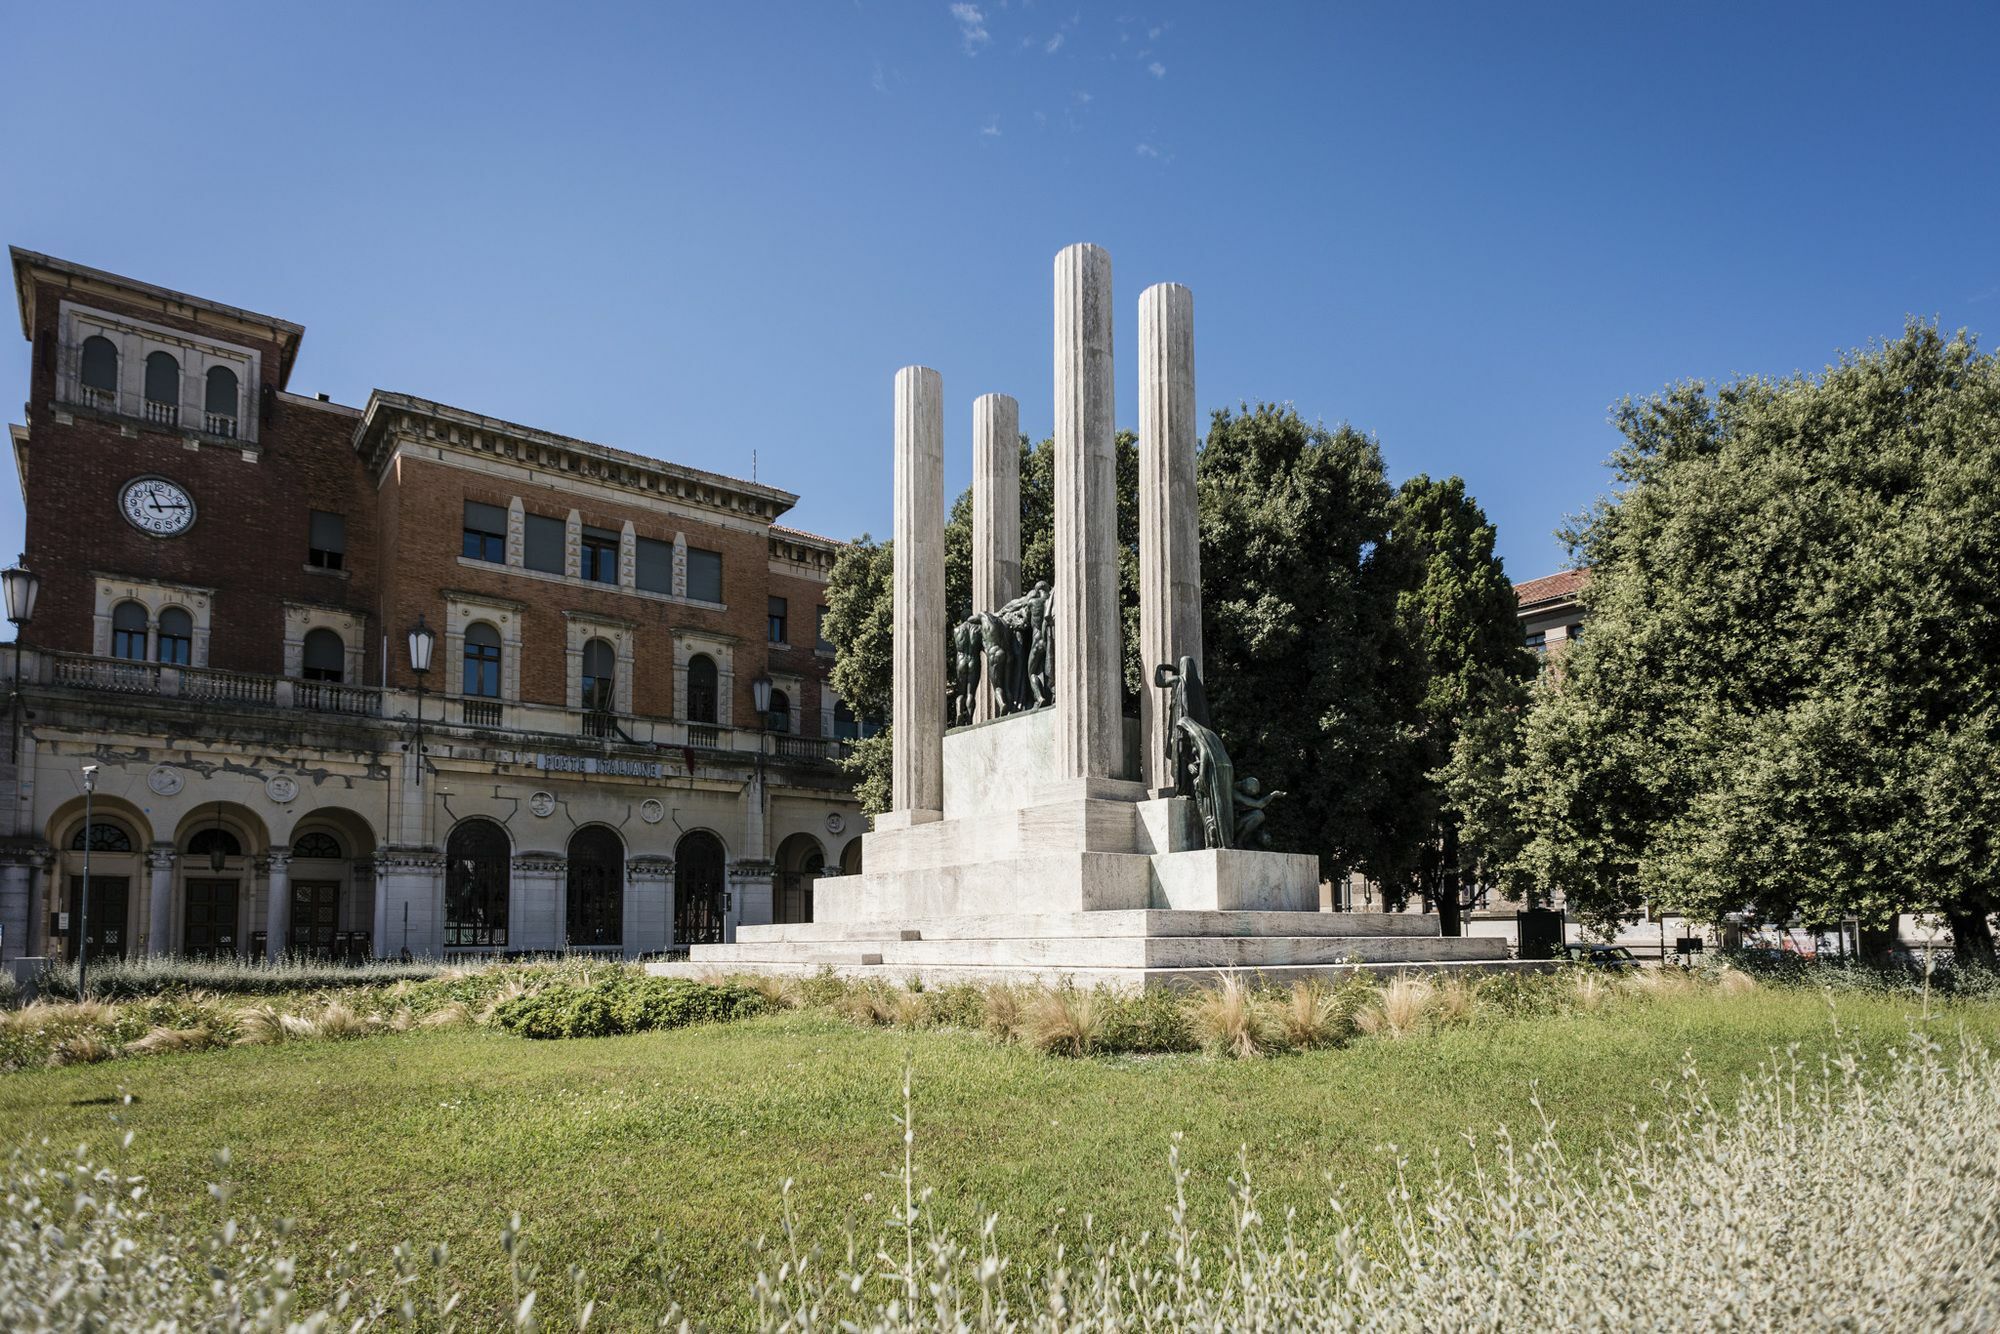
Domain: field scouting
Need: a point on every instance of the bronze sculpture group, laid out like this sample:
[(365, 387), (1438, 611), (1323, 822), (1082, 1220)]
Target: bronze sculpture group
[(1014, 648), (1231, 808)]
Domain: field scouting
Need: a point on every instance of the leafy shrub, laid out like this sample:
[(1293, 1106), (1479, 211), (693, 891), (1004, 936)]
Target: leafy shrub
[(153, 975), (627, 1002)]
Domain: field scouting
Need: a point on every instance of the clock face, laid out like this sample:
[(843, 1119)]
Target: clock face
[(157, 506)]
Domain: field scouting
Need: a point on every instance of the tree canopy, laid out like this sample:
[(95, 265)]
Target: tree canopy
[(1786, 704)]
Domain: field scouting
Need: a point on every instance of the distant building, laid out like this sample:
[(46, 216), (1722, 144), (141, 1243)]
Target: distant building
[(1551, 614), (624, 741)]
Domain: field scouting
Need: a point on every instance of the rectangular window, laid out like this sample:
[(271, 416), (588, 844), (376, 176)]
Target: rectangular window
[(600, 556), (654, 565), (542, 540), (704, 575), (326, 545), (485, 533), (1539, 641), (819, 630), (778, 619)]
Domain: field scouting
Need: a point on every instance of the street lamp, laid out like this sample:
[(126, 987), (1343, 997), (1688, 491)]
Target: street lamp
[(21, 586), (422, 641), (83, 898), (760, 691), (216, 860)]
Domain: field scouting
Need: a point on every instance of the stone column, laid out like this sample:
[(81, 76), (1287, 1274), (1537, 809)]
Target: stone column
[(1169, 526), (278, 907), (537, 902), (649, 904), (996, 516), (1084, 603), (17, 877), (160, 900), (917, 773)]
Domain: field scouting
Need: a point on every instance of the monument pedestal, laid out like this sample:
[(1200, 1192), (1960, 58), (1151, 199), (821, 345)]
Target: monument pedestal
[(1012, 885)]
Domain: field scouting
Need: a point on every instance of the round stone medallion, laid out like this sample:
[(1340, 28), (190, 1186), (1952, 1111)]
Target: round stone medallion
[(835, 822), (651, 811), (542, 804), (281, 788), (164, 781)]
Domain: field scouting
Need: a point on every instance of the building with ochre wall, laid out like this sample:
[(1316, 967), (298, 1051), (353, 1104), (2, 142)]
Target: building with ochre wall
[(625, 739)]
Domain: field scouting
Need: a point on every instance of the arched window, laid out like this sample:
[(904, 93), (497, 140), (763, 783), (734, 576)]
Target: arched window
[(845, 728), (781, 711), (475, 886), (598, 683), (128, 631), (98, 371), (800, 861), (701, 689), (318, 845), (103, 838), (219, 401), (482, 660), (163, 388), (214, 839), (176, 637), (596, 888), (698, 916), (325, 657)]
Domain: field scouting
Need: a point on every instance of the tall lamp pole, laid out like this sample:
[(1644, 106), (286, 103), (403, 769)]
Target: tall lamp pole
[(83, 898), (422, 641), (21, 586)]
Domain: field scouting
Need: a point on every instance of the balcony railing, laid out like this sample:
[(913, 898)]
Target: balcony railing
[(161, 414), (104, 400), (219, 423), (213, 687), (479, 712)]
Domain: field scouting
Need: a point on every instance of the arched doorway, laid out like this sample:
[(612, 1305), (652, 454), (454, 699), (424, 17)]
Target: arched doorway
[(800, 862), (476, 879), (596, 889), (331, 890), (698, 868), (106, 931), (850, 857)]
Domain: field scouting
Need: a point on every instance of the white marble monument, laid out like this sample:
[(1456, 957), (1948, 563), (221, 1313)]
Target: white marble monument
[(1049, 844)]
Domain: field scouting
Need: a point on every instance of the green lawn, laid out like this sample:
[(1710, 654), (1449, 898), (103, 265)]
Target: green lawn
[(601, 1144)]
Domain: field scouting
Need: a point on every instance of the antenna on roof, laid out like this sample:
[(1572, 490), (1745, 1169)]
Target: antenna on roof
[(753, 465)]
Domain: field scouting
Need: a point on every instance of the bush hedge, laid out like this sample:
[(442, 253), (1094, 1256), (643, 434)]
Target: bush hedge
[(626, 1003)]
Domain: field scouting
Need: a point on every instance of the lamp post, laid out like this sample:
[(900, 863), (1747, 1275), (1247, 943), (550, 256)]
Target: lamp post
[(83, 898), (422, 641), (21, 586)]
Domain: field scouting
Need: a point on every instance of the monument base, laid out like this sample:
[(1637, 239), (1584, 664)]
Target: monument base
[(1025, 879)]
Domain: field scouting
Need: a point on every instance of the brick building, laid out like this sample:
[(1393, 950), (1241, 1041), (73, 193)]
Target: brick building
[(623, 741)]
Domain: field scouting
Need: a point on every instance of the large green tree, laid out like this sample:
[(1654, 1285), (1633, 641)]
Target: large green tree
[(1789, 699), (1463, 660), (1300, 635), (860, 624)]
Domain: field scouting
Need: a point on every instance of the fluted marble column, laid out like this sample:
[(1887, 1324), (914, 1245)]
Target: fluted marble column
[(1169, 526), (996, 515), (160, 900), (1089, 731), (278, 910), (917, 772)]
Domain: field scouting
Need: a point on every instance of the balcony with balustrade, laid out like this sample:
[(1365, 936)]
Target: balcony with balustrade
[(50, 679)]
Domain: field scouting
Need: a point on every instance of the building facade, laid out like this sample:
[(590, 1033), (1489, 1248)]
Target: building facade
[(624, 740), (1551, 610)]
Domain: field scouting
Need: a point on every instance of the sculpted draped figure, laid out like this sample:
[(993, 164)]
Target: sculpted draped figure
[(1014, 646), (1231, 808)]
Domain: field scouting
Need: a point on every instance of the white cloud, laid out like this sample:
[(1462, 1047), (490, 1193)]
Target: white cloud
[(971, 26), (1157, 70), (1054, 44), (880, 80), (1147, 150), (991, 129), (1082, 99)]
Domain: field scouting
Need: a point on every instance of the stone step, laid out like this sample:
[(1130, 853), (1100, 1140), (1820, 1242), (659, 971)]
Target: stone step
[(1123, 979), (1131, 922), (1111, 951)]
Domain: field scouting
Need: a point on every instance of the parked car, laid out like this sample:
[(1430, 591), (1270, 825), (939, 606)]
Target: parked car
[(1614, 957)]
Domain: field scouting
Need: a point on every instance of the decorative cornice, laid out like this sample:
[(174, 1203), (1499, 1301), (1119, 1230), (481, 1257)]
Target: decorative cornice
[(543, 863), (649, 868), (408, 859), (392, 419)]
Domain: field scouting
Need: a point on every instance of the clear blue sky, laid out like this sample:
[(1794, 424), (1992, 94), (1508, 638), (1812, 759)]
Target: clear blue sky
[(698, 230)]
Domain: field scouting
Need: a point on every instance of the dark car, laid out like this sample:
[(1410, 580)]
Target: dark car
[(1614, 957)]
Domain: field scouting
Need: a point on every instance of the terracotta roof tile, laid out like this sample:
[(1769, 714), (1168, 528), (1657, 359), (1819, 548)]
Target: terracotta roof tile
[(1551, 587)]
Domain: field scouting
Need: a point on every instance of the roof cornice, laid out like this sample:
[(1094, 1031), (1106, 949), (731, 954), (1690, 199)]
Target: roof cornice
[(31, 266), (391, 419)]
